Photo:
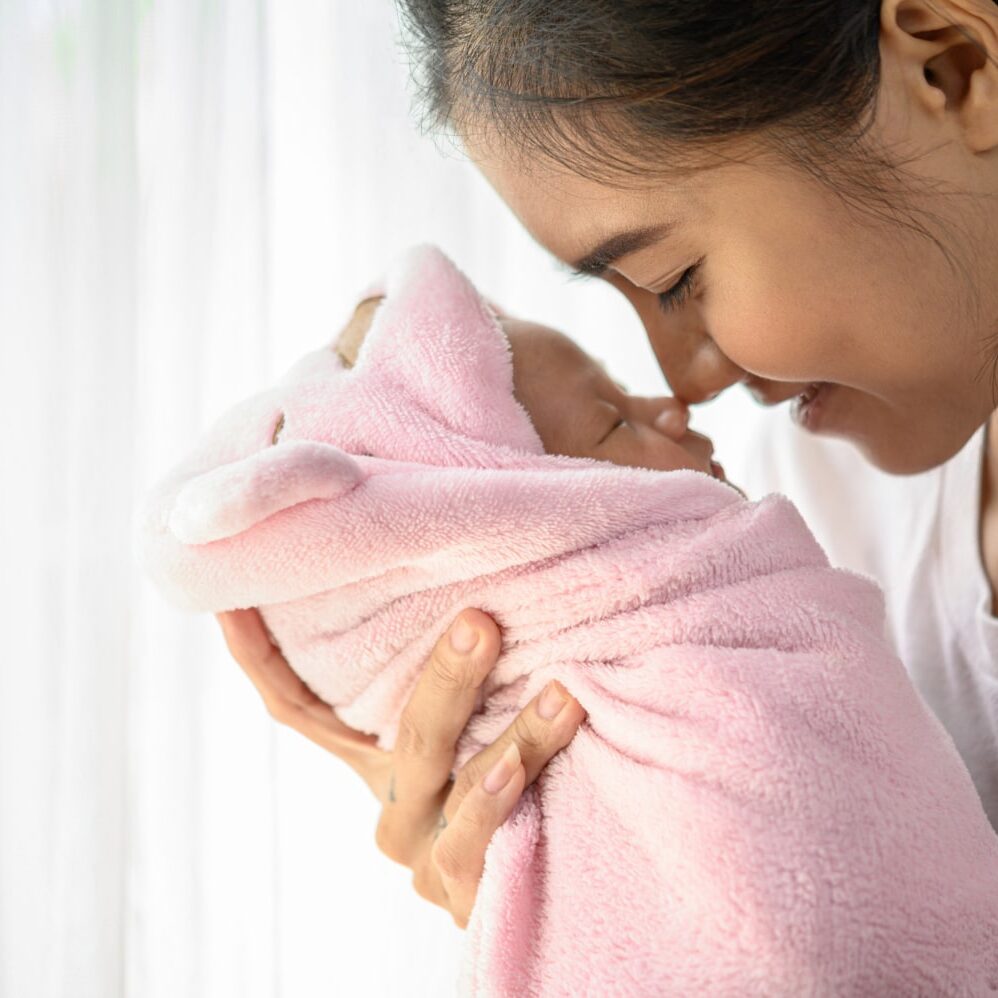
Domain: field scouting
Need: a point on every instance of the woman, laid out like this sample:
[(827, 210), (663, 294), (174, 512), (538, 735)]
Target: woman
[(802, 199)]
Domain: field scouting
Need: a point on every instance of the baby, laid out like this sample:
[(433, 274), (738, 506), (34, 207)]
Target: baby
[(758, 802)]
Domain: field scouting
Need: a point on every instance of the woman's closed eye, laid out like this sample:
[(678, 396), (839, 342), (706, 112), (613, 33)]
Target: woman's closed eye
[(678, 294)]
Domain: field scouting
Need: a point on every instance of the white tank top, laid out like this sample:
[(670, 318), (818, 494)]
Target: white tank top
[(918, 537)]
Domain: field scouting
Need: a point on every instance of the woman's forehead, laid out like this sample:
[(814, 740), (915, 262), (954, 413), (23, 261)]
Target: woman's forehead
[(580, 220)]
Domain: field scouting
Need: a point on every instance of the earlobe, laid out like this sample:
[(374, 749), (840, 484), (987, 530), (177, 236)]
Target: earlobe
[(950, 51), (980, 112)]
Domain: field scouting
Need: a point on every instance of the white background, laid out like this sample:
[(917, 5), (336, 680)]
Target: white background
[(192, 193)]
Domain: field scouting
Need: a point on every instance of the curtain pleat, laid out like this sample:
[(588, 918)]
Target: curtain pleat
[(192, 193)]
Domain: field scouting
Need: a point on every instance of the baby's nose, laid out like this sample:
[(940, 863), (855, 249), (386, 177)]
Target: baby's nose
[(672, 419)]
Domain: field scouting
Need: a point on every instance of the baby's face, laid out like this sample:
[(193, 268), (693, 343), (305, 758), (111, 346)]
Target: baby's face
[(576, 408), (579, 411)]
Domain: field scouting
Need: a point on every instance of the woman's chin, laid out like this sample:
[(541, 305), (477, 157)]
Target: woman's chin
[(891, 440)]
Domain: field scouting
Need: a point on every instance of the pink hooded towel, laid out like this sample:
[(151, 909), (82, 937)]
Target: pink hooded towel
[(758, 803)]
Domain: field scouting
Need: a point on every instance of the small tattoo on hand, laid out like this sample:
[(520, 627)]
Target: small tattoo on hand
[(441, 825)]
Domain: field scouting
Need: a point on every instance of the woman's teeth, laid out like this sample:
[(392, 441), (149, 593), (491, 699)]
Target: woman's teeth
[(803, 411), (809, 393)]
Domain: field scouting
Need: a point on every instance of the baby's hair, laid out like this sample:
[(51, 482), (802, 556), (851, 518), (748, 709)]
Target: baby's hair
[(348, 344)]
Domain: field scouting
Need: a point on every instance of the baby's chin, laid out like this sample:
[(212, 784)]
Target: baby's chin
[(710, 467), (716, 470), (668, 462)]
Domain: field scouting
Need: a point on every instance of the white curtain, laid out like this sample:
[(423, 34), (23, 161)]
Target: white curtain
[(191, 194)]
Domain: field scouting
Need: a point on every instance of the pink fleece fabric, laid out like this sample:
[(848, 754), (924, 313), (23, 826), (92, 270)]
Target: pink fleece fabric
[(758, 803)]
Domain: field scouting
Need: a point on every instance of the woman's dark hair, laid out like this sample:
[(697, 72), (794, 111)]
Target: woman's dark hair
[(608, 88), (605, 86)]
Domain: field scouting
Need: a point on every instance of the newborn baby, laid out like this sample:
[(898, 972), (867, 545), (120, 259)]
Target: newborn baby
[(758, 802)]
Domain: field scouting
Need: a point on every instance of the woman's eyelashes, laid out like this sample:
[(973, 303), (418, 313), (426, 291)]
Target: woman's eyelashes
[(678, 294)]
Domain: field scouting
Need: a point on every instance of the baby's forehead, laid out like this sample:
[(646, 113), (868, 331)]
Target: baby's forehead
[(547, 346)]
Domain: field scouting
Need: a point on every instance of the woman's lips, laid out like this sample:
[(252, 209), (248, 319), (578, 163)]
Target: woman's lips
[(806, 408), (773, 392)]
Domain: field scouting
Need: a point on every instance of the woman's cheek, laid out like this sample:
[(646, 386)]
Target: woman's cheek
[(773, 334), (760, 343)]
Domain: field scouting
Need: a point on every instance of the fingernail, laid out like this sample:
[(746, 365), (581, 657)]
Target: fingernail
[(551, 701), (502, 772), (463, 637)]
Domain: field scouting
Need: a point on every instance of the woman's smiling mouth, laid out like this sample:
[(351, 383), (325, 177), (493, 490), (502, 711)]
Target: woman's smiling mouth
[(806, 407)]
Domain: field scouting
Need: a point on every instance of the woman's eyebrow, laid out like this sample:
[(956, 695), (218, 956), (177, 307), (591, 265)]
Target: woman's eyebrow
[(597, 260)]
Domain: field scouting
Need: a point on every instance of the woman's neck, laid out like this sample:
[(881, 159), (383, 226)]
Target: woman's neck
[(988, 526)]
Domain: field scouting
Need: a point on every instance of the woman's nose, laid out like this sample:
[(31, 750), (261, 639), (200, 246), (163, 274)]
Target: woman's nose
[(695, 368), (691, 361), (669, 416)]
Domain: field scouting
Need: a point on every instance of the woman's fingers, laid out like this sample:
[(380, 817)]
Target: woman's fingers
[(541, 730), (429, 728), (247, 640), (458, 853), (488, 787), (286, 697), (441, 829), (438, 828)]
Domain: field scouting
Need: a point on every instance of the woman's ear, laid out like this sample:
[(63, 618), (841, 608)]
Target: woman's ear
[(232, 498), (950, 51)]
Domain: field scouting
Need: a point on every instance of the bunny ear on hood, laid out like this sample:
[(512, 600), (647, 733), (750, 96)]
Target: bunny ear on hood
[(234, 497), (220, 537), (435, 335)]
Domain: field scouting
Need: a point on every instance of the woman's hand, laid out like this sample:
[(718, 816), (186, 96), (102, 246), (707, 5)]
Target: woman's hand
[(437, 827)]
